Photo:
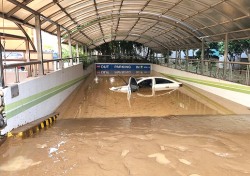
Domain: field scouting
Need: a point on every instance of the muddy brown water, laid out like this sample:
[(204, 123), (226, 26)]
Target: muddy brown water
[(187, 132)]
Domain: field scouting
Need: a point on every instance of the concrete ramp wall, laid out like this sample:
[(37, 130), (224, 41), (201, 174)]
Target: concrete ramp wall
[(41, 96), (232, 91)]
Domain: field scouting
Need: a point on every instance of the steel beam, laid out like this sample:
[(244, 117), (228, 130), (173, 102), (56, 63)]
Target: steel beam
[(39, 11), (33, 12), (68, 15), (14, 10), (26, 35), (11, 36)]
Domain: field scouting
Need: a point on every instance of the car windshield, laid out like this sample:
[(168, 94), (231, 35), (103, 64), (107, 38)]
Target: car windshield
[(133, 81), (133, 84)]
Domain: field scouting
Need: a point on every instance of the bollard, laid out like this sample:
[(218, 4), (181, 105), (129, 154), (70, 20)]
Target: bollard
[(17, 74), (47, 67), (35, 70)]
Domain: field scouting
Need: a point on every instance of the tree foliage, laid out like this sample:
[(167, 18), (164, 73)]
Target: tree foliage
[(235, 47), (65, 51), (209, 50), (238, 46), (128, 48)]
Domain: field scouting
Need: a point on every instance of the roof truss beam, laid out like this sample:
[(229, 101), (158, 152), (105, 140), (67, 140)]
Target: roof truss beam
[(15, 9), (33, 12)]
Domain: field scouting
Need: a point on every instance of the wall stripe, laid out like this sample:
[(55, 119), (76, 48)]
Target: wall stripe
[(26, 103)]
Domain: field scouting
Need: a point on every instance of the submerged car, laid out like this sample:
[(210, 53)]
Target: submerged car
[(155, 83)]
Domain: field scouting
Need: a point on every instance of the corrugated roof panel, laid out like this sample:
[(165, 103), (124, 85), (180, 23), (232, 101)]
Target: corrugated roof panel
[(120, 37), (57, 16), (174, 14), (66, 3), (132, 38), (22, 13), (51, 10), (143, 40), (172, 22), (185, 12), (244, 22), (204, 20), (37, 4), (46, 24), (229, 10), (195, 23), (219, 17), (243, 5), (7, 7), (231, 26)]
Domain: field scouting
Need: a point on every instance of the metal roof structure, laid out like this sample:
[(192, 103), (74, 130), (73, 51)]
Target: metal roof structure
[(158, 24)]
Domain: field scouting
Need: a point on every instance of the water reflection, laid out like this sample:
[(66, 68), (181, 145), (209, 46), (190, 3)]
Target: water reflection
[(98, 101)]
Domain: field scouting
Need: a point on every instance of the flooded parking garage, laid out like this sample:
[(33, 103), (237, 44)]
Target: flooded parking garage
[(98, 101), (100, 132), (185, 132)]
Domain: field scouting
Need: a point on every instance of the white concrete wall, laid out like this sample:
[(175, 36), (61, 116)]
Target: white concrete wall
[(41, 96), (176, 72), (238, 97)]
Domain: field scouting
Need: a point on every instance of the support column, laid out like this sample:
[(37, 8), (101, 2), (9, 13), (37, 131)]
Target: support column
[(225, 56), (77, 53), (248, 54), (70, 49), (186, 60), (27, 56), (176, 60), (83, 50), (59, 45), (39, 44), (167, 59), (2, 84), (202, 56), (83, 54)]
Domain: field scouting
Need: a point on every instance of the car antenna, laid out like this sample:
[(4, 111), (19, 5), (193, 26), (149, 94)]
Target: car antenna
[(123, 79)]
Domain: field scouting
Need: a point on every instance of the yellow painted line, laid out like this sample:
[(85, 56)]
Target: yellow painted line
[(20, 134), (50, 120), (47, 122), (9, 134), (36, 128), (42, 125)]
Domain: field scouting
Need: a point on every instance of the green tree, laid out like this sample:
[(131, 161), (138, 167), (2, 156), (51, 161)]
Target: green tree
[(236, 47), (127, 48), (209, 50)]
